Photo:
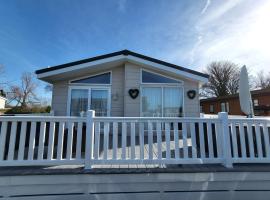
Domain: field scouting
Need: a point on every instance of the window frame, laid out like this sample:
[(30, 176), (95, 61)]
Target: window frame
[(257, 102), (92, 75), (226, 106), (89, 88), (211, 110)]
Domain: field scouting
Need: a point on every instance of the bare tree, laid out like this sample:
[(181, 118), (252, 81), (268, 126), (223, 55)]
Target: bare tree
[(24, 93), (223, 79), (262, 80)]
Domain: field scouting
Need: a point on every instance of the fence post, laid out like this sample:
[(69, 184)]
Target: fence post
[(89, 145), (226, 144)]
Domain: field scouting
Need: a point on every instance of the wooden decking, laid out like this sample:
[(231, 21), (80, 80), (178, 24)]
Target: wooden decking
[(79, 169), (187, 182)]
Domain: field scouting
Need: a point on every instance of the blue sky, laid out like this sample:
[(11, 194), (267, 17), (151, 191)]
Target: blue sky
[(37, 33)]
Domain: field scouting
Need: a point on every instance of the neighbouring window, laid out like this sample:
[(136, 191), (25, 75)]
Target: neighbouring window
[(225, 107), (148, 77), (90, 98), (256, 102), (162, 102), (96, 79), (211, 108)]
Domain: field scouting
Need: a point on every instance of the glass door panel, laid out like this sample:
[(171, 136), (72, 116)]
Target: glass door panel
[(99, 101), (79, 102), (172, 102), (151, 102)]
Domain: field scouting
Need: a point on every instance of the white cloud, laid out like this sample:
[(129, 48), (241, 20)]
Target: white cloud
[(241, 37), (244, 41), (219, 11), (196, 45), (208, 2)]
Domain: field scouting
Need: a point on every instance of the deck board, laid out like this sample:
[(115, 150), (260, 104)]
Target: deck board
[(79, 169), (137, 151)]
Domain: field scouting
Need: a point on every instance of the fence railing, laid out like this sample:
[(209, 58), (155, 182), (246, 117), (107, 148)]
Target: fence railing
[(249, 140), (51, 140), (132, 140), (41, 140)]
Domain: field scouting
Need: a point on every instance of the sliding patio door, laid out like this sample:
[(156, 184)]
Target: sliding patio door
[(83, 99), (152, 102), (162, 101), (172, 102)]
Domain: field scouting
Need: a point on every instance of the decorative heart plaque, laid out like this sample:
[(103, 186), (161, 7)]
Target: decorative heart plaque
[(133, 93), (191, 94)]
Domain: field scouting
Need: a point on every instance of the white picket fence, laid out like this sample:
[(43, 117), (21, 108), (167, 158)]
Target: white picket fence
[(51, 140)]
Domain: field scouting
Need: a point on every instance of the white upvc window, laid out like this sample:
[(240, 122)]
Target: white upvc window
[(255, 102), (161, 96), (211, 109), (225, 107)]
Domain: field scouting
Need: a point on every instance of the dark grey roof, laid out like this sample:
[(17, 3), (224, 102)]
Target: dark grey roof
[(123, 52)]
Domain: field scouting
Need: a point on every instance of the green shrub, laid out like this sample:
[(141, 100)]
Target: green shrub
[(28, 110)]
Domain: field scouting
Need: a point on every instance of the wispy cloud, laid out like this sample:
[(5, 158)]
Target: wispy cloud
[(234, 30), (208, 2), (219, 11), (195, 47), (245, 40)]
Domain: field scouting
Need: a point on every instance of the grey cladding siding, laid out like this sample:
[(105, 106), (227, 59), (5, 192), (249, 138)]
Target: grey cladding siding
[(125, 77), (59, 98)]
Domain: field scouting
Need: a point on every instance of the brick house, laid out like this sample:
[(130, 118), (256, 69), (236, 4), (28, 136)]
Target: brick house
[(231, 104)]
